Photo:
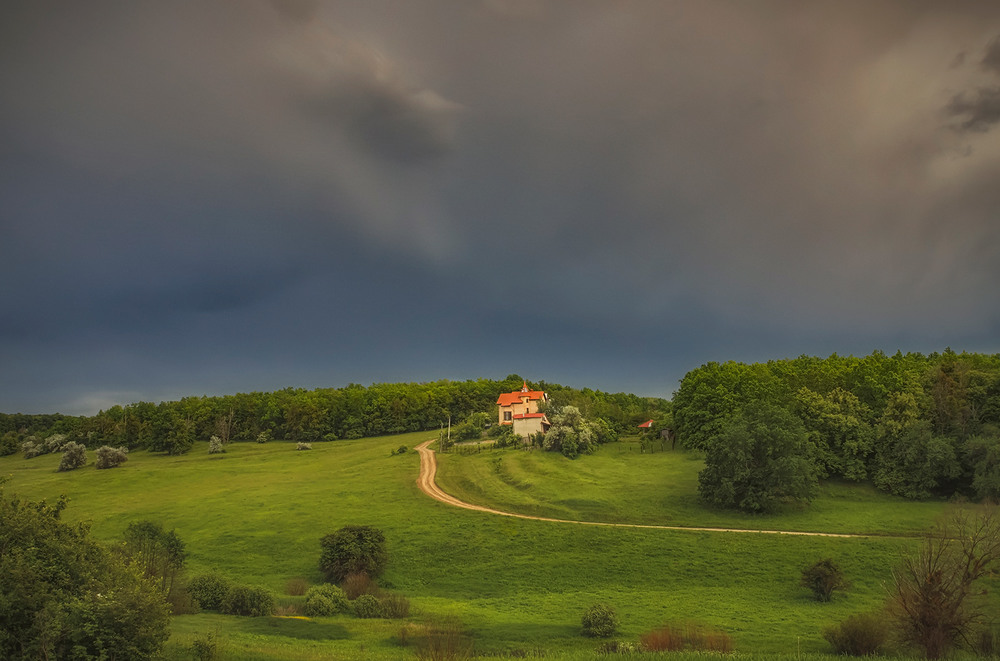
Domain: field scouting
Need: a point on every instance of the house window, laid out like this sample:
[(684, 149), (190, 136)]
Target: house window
[(506, 416)]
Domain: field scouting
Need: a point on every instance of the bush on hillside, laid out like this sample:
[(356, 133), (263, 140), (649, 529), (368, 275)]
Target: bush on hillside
[(359, 583), (863, 634), (215, 445), (823, 578), (109, 457), (325, 599), (264, 436), (74, 456), (9, 443), (32, 447), (394, 606), (367, 606), (209, 590), (248, 600), (600, 621), (304, 446), (350, 550)]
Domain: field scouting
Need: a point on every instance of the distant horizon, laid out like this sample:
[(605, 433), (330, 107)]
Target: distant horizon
[(175, 397)]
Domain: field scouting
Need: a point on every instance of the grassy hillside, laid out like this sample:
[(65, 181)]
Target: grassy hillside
[(257, 513), (620, 485)]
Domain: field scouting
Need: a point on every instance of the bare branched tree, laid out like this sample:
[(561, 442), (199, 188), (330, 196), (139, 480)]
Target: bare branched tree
[(934, 601)]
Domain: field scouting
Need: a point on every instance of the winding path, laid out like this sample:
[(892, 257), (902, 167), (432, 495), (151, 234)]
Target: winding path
[(428, 471)]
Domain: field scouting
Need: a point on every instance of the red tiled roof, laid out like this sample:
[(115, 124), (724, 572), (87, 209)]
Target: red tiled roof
[(510, 398), (646, 425), (522, 416)]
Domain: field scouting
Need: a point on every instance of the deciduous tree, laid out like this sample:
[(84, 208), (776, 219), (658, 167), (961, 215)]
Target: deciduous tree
[(761, 459)]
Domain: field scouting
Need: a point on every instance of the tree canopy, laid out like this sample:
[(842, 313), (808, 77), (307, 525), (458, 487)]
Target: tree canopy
[(63, 596), (914, 425)]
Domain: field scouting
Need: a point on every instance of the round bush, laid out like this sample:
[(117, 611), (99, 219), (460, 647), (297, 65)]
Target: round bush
[(600, 621), (74, 456), (350, 550), (248, 600), (367, 606), (109, 457), (326, 600), (209, 590)]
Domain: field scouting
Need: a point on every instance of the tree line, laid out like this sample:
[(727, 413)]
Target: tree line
[(300, 415), (914, 425)]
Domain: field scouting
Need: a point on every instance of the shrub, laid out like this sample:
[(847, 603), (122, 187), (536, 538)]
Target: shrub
[(672, 638), (823, 578), (350, 550), (304, 446), (863, 634), (74, 456), (444, 641), (109, 457), (617, 647), (248, 600), (358, 584), (296, 586), (9, 444), (32, 447), (264, 436), (600, 621), (664, 639), (209, 590), (215, 445), (325, 600), (394, 606), (367, 606), (55, 443), (206, 648)]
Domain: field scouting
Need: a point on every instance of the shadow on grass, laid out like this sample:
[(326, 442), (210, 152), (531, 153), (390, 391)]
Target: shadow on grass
[(521, 636), (294, 627)]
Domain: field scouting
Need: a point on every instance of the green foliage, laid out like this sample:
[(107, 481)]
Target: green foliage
[(823, 578), (506, 438), (352, 550), (862, 634), (570, 434), (209, 590), (982, 455), (248, 600), (109, 457), (160, 555), (9, 443), (394, 606), (62, 596), (215, 445), (303, 446), (600, 621), (325, 600), (758, 461), (74, 456), (264, 436), (206, 647), (367, 606)]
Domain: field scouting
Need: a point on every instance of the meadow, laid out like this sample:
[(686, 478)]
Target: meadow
[(518, 587)]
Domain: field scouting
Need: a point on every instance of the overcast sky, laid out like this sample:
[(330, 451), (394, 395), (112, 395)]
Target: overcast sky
[(218, 197)]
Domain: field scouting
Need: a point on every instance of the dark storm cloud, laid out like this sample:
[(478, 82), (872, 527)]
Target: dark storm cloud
[(234, 195), (991, 60), (979, 109)]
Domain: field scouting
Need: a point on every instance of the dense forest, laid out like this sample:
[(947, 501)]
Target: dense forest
[(324, 414), (914, 425)]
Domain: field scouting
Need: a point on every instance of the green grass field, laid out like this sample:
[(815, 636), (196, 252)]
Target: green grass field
[(518, 587)]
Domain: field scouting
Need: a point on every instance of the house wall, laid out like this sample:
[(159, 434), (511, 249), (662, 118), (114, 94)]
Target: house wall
[(527, 426)]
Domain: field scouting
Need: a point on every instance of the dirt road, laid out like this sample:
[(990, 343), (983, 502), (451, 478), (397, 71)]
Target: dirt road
[(428, 471)]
